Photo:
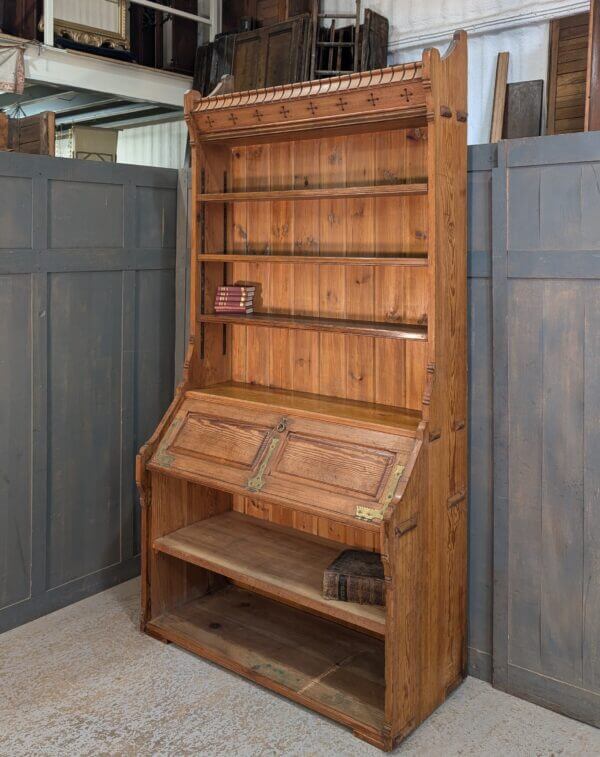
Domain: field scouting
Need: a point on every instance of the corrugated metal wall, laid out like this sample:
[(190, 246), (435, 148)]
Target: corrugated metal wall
[(161, 145), (528, 48)]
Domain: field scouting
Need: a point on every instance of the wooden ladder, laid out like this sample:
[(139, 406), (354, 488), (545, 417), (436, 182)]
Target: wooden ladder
[(335, 44)]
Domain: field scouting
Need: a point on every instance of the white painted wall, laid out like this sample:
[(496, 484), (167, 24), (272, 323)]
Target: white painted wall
[(161, 145), (528, 48), (521, 28)]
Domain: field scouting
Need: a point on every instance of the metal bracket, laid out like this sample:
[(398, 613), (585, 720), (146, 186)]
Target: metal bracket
[(392, 483), (256, 483), (369, 513), (376, 513)]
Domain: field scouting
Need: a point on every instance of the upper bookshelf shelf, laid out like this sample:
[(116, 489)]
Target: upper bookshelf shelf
[(364, 101), (407, 261), (318, 193)]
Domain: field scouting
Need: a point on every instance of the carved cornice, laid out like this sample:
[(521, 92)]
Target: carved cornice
[(367, 95), (336, 84)]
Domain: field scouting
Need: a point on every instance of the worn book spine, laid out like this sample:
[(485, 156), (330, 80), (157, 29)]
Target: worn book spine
[(233, 310), (360, 589), (235, 292), (233, 301)]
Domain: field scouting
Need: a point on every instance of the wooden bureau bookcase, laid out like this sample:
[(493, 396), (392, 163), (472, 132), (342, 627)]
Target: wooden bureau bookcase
[(335, 414)]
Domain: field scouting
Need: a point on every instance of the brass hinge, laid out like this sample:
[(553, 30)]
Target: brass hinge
[(392, 483), (376, 513), (369, 513), (256, 483)]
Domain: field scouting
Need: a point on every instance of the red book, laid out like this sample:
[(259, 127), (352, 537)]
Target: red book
[(235, 290), (233, 309), (234, 298)]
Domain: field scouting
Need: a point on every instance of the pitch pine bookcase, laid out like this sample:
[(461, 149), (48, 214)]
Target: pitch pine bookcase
[(333, 416)]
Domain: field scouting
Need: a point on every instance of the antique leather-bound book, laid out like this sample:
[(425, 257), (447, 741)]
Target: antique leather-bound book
[(355, 576)]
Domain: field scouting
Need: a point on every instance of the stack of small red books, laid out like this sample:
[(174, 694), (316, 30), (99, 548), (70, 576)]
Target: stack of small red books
[(234, 299)]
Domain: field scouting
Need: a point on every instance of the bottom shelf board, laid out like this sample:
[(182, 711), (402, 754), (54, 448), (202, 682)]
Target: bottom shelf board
[(281, 563), (327, 667)]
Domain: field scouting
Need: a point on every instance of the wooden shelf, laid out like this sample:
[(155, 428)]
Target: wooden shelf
[(411, 262), (368, 415), (281, 564), (376, 329), (372, 190), (334, 670)]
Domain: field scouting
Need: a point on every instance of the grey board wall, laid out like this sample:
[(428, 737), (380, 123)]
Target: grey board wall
[(87, 329), (546, 306), (482, 160)]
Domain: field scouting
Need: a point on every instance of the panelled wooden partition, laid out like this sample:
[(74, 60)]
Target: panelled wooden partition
[(333, 415)]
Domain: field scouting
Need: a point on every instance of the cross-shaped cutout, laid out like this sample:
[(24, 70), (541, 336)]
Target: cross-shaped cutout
[(312, 107), (233, 118), (284, 111), (342, 102), (406, 94), (209, 121), (258, 115), (372, 99)]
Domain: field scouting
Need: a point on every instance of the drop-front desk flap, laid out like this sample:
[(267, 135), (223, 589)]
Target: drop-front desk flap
[(285, 457)]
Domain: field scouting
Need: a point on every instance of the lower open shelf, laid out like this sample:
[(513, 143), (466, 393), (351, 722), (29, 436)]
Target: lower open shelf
[(269, 559), (334, 670)]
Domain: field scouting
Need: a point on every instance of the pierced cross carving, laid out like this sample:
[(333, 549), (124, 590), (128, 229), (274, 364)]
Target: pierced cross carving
[(258, 115), (312, 107), (406, 94), (233, 118), (209, 121), (284, 111), (372, 99), (342, 102)]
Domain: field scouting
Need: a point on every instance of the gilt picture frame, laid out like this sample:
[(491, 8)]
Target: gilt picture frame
[(101, 23)]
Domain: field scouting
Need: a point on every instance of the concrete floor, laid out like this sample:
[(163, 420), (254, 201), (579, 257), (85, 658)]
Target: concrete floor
[(84, 681)]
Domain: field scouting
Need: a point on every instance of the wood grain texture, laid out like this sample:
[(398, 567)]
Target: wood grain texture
[(566, 71), (379, 190), (592, 77)]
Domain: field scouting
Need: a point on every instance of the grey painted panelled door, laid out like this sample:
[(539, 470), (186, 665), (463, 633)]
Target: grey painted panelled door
[(546, 292), (482, 160), (87, 316)]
